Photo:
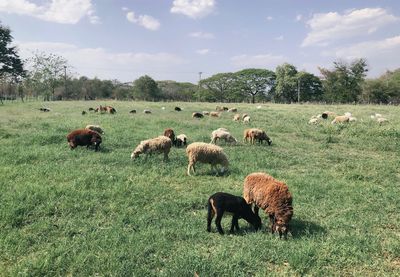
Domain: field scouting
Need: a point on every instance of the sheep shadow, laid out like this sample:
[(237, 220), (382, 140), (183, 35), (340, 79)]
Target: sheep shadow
[(303, 228)]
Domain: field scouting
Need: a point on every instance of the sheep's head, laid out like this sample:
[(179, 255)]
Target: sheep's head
[(281, 224), (231, 139), (96, 138), (138, 150)]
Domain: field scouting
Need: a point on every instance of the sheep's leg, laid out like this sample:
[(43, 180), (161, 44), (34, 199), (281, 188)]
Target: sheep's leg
[(235, 223), (210, 215), (220, 213), (166, 156), (272, 221), (190, 166), (256, 208)]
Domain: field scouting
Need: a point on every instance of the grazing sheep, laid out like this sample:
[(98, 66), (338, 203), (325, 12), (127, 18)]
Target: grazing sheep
[(206, 153), (95, 128), (382, 120), (256, 134), (169, 133), (110, 110), (273, 197), (146, 111), (83, 112), (177, 109), (44, 109), (326, 114), (232, 110), (352, 119), (206, 113), (225, 108), (161, 144), (197, 115), (246, 119), (181, 140), (222, 133), (377, 115), (348, 114), (91, 109), (214, 114), (236, 117), (222, 202), (340, 119), (244, 115), (314, 120), (132, 111), (100, 109), (219, 109), (84, 137)]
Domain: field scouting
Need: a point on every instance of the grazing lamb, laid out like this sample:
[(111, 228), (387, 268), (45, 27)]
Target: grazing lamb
[(197, 115), (348, 114), (95, 128), (169, 133), (352, 119), (181, 140), (382, 120), (132, 111), (146, 111), (214, 114), (340, 119), (84, 137), (225, 108), (256, 134), (222, 133), (314, 120), (244, 115), (236, 117), (91, 109), (273, 197), (326, 114), (246, 119), (232, 110), (161, 144), (219, 109), (222, 202), (110, 110), (177, 109), (206, 153), (100, 109), (206, 113)]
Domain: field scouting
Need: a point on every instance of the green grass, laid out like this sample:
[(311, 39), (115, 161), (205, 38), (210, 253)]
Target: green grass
[(83, 213)]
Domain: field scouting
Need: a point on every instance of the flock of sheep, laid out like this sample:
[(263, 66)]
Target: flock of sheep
[(260, 189), (347, 117)]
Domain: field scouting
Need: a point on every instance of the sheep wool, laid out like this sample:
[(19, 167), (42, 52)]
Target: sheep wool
[(222, 133), (161, 144), (206, 153), (95, 128), (340, 119), (272, 196)]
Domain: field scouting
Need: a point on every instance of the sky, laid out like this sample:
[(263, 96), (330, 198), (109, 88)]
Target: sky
[(177, 39)]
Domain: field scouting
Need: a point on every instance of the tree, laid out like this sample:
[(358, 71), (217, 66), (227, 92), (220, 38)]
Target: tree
[(252, 82), (47, 73), (145, 88), (176, 91), (286, 83), (310, 87), (344, 83), (219, 85)]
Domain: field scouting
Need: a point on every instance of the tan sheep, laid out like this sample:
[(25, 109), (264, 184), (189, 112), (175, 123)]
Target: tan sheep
[(214, 114), (236, 117), (206, 113), (95, 128), (382, 120), (161, 144), (340, 119), (222, 133), (254, 134), (232, 110), (273, 197), (246, 119), (206, 153)]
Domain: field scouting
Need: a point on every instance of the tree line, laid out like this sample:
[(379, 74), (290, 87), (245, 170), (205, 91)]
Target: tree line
[(49, 77)]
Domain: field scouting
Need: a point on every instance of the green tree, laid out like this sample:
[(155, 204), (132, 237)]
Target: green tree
[(251, 82), (145, 88), (286, 83), (220, 85), (344, 83), (310, 87), (176, 91)]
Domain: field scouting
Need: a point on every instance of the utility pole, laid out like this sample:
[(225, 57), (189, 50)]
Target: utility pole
[(65, 80), (298, 90), (200, 76)]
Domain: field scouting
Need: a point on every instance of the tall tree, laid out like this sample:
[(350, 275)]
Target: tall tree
[(145, 88), (219, 85), (344, 83), (252, 82), (286, 83), (310, 87)]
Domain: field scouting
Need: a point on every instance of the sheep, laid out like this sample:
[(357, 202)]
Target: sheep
[(177, 109), (244, 115), (381, 120), (225, 108), (236, 117), (162, 108), (222, 133), (326, 114), (206, 113), (314, 121), (44, 109), (377, 115), (84, 137), (95, 128), (214, 114), (273, 197), (83, 112), (232, 110), (222, 202), (161, 144), (352, 119), (219, 109), (348, 114), (256, 134), (132, 111), (340, 119), (197, 115), (181, 140), (91, 109), (100, 109), (147, 111), (169, 133), (259, 107), (206, 153), (246, 119), (110, 110)]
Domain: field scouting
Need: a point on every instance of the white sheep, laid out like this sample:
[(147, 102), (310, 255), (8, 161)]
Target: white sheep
[(206, 113), (161, 144), (348, 114), (206, 153), (181, 140), (381, 120), (340, 119), (222, 133), (146, 111), (314, 120), (246, 119), (236, 117), (232, 110), (95, 128)]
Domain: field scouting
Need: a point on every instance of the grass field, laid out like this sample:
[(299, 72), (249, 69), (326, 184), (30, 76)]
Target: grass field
[(85, 213)]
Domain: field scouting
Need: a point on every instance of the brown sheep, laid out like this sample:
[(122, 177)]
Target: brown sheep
[(214, 114), (340, 119), (206, 153), (84, 137), (273, 197), (169, 133), (197, 115), (255, 134)]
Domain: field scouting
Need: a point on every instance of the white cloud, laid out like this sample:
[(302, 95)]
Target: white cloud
[(258, 61), (202, 35), (299, 17), (193, 8), (105, 64), (203, 51), (145, 21), (279, 38), (328, 27), (59, 11), (269, 18)]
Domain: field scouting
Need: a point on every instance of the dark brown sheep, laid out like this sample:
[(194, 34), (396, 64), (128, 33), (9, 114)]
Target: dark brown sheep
[(177, 109), (197, 115), (84, 137), (222, 202), (169, 133), (273, 197)]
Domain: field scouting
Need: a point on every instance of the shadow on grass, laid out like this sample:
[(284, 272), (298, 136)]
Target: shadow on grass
[(302, 228)]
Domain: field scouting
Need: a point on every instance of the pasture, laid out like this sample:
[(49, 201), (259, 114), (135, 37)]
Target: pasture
[(86, 213)]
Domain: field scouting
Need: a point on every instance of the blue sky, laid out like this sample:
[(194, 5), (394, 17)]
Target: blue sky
[(176, 39)]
